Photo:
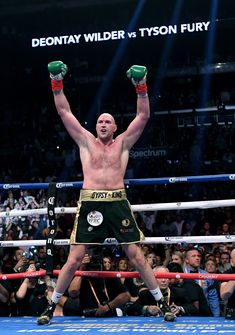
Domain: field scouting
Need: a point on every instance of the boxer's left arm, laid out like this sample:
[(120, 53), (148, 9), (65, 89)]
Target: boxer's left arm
[(138, 76)]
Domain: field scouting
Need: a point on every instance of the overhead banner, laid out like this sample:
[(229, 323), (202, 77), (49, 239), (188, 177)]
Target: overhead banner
[(104, 36)]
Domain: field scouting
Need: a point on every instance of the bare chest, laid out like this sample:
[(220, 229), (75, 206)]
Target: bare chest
[(105, 157)]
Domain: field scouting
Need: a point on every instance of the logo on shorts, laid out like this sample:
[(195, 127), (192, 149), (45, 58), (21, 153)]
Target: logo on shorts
[(126, 222), (94, 218)]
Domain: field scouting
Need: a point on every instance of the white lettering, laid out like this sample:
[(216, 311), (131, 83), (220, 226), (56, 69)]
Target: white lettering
[(206, 24), (77, 38), (51, 200), (58, 40), (192, 27), (120, 34), (165, 30), (162, 30), (61, 185), (142, 31), (71, 39), (51, 213), (64, 38), (183, 27), (177, 179), (37, 330), (10, 186), (131, 34), (42, 42), (35, 42), (199, 26), (104, 36), (49, 253), (49, 41), (90, 37)]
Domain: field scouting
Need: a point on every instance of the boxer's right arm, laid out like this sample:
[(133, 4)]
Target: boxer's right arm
[(58, 70)]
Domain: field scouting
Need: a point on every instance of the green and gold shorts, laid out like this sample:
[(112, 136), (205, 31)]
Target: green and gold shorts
[(104, 214)]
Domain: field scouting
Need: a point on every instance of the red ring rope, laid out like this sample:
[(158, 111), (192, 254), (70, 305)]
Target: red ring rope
[(114, 274)]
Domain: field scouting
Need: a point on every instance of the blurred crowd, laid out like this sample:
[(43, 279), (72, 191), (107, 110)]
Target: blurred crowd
[(28, 295)]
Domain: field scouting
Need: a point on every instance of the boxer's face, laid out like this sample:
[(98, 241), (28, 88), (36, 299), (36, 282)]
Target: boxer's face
[(105, 126)]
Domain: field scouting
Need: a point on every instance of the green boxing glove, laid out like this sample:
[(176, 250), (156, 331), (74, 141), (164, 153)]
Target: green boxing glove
[(57, 70), (137, 74)]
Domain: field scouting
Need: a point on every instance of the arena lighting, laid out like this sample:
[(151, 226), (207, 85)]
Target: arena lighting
[(206, 82), (209, 53), (112, 68), (167, 47)]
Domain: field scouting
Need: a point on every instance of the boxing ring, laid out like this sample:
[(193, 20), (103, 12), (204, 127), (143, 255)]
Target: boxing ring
[(124, 324)]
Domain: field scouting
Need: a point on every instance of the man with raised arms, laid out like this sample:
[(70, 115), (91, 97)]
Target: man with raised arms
[(103, 209)]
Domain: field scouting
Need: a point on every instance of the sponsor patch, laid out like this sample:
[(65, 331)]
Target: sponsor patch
[(126, 223), (94, 218)]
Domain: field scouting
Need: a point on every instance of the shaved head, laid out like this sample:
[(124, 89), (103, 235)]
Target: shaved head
[(107, 115), (105, 128)]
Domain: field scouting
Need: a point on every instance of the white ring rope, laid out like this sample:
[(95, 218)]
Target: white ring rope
[(136, 208), (148, 240)]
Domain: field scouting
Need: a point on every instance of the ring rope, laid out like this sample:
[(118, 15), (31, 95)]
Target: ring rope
[(128, 182), (147, 240), (135, 208), (122, 274)]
